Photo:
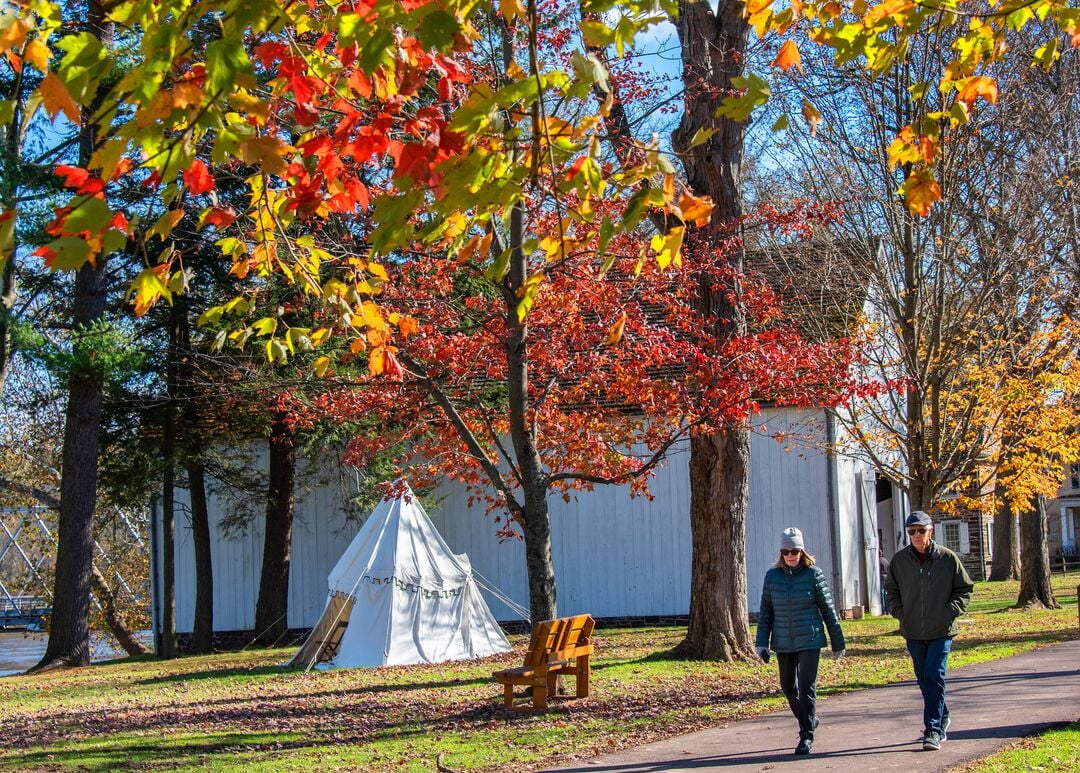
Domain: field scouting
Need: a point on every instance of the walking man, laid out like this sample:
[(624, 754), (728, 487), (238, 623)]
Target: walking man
[(927, 589)]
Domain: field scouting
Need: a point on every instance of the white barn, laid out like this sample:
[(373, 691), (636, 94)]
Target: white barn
[(615, 557)]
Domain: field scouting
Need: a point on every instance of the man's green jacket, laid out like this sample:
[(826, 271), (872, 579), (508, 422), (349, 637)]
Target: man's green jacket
[(927, 596)]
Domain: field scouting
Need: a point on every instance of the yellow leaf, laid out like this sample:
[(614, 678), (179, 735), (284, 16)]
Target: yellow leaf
[(378, 271), (146, 288), (788, 57), (322, 365), (12, 34), (920, 191), (37, 54), (978, 86), (615, 334), (667, 247), (512, 9), (57, 99), (166, 223), (265, 152), (186, 94), (377, 361), (373, 316)]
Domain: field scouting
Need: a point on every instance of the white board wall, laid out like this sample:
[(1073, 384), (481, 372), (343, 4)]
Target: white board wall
[(614, 556)]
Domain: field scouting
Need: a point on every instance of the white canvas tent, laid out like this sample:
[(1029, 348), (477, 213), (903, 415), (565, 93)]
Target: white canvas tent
[(398, 596)]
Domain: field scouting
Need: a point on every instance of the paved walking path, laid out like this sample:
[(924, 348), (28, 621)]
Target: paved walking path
[(878, 729)]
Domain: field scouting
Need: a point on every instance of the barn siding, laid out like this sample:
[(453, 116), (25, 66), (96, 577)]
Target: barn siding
[(614, 556)]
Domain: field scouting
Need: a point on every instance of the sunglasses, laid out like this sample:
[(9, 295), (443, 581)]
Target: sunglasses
[(917, 530), (792, 552)]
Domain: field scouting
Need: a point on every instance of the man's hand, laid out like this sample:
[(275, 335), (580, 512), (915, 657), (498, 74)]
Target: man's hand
[(837, 654), (763, 653)]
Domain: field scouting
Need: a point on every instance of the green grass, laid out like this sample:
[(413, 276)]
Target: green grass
[(243, 711), (1053, 750)]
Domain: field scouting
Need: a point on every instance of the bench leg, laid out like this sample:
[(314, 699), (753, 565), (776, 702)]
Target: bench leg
[(583, 676), (540, 694), (508, 695)]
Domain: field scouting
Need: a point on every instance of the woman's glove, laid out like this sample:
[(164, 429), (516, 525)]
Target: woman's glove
[(763, 653), (837, 654)]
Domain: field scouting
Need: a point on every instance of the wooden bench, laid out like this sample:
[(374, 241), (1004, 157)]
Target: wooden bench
[(561, 646)]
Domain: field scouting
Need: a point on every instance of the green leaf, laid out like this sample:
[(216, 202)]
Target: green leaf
[(497, 270), (148, 284), (7, 110), (88, 214), (378, 51), (756, 92), (211, 316), (227, 65), (781, 123), (71, 253), (437, 30)]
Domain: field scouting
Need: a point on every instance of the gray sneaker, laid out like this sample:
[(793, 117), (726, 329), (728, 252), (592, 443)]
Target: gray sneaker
[(931, 742), (945, 722)]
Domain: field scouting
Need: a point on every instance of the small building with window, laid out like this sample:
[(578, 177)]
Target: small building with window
[(1063, 514)]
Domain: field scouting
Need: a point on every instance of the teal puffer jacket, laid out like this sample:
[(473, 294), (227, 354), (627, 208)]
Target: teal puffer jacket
[(796, 608)]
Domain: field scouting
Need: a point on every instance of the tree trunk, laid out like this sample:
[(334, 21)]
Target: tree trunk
[(713, 48), (69, 624), (202, 634), (123, 635), (1035, 587), (272, 607), (167, 642), (1005, 564), (718, 628)]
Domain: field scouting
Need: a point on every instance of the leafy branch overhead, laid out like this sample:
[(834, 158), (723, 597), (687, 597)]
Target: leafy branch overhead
[(380, 113)]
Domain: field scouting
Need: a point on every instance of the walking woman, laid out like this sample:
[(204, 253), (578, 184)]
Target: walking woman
[(796, 608)]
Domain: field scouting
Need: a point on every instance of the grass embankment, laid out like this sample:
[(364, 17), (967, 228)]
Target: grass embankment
[(239, 711), (1057, 749)]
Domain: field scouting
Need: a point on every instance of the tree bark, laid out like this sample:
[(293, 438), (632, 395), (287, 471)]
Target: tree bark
[(1005, 564), (202, 634), (69, 625), (713, 48), (718, 628), (272, 607), (1035, 587), (167, 642)]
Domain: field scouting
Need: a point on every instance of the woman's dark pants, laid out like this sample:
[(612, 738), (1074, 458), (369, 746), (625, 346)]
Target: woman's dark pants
[(798, 680)]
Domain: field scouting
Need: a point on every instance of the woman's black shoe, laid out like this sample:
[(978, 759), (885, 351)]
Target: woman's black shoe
[(804, 746)]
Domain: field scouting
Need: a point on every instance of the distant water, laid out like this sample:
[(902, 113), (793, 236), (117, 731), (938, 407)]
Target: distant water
[(19, 650)]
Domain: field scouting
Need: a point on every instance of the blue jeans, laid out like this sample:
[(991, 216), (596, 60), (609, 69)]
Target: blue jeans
[(930, 659)]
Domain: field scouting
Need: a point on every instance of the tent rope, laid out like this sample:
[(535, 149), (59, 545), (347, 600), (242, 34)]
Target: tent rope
[(486, 584)]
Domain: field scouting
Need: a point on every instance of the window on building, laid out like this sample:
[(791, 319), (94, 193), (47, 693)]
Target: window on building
[(954, 536)]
